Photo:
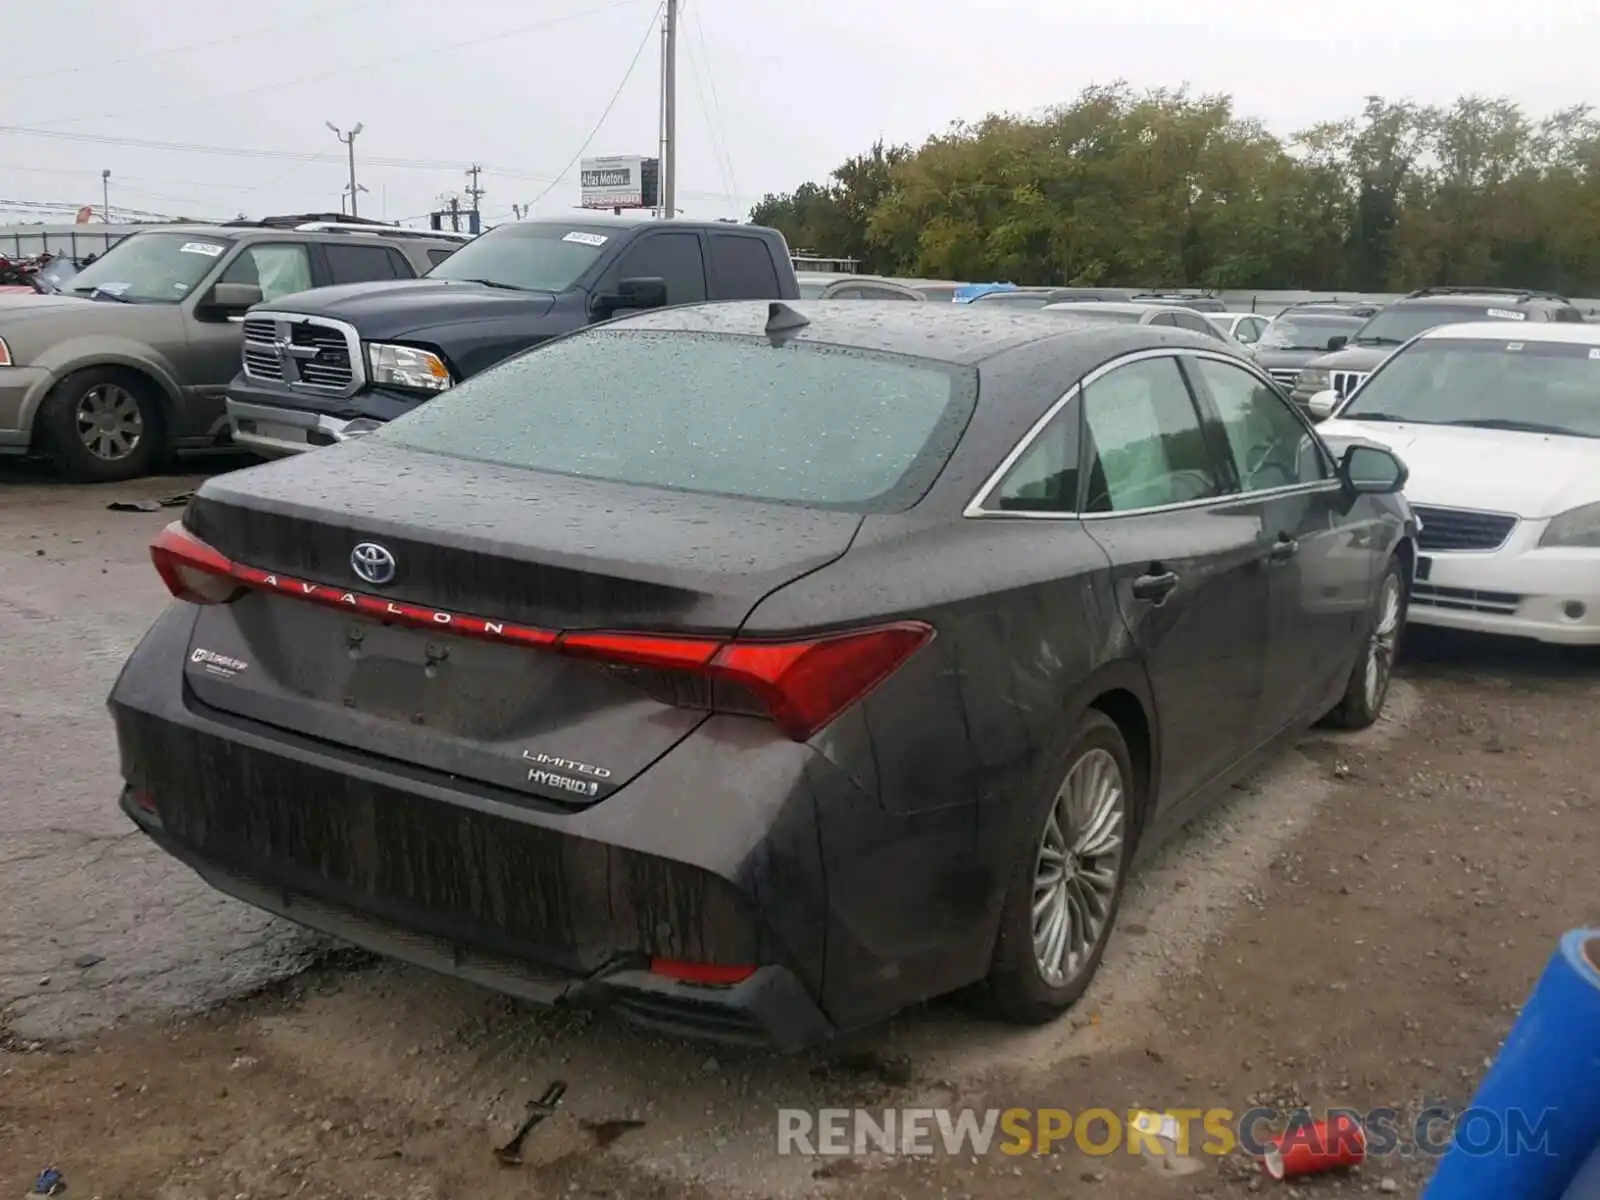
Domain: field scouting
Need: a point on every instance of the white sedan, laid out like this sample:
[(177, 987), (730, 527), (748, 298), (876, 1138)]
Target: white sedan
[(1500, 429)]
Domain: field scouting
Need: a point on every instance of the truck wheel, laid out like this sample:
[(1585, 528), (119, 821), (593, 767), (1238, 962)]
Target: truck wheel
[(103, 425)]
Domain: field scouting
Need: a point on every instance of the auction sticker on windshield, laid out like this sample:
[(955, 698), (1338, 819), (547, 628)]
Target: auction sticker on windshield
[(586, 239), (1505, 314), (209, 249)]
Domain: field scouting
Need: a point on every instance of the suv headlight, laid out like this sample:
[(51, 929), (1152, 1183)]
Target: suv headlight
[(407, 367), (1313, 380), (1576, 527)]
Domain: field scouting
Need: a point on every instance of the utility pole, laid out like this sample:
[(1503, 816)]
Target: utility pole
[(105, 195), (349, 139), (669, 113), (474, 190)]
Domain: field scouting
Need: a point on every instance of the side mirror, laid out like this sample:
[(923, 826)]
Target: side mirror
[(1321, 405), (1338, 343), (649, 291), (232, 298), (1372, 470)]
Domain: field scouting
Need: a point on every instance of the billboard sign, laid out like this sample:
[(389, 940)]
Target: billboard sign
[(621, 181)]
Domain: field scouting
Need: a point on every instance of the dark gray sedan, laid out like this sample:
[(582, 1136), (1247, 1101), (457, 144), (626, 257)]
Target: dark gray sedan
[(759, 670)]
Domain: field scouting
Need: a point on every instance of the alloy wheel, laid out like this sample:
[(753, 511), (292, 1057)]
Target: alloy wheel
[(1381, 645), (109, 422), (1078, 866)]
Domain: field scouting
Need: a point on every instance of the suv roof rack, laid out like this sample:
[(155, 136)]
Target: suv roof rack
[(1518, 293), (294, 220), (374, 230)]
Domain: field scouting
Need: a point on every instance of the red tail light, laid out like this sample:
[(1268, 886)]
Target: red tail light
[(803, 683), (192, 570), (705, 974)]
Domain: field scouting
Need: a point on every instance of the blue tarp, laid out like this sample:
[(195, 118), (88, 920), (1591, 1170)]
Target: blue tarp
[(969, 291)]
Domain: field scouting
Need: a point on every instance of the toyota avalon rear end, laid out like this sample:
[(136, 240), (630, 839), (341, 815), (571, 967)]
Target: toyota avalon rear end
[(490, 692)]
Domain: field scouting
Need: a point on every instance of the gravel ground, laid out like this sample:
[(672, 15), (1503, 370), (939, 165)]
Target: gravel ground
[(1354, 927)]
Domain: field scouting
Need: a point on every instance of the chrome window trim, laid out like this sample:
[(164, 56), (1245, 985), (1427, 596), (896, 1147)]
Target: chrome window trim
[(976, 506), (358, 358)]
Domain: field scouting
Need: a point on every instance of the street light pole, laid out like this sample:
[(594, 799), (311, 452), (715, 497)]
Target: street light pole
[(669, 113), (105, 195), (349, 139)]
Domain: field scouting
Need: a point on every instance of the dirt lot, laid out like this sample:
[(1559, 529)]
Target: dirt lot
[(1355, 927)]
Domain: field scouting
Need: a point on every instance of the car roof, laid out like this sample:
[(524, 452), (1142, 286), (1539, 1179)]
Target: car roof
[(354, 235), (1572, 333), (1121, 306), (960, 334)]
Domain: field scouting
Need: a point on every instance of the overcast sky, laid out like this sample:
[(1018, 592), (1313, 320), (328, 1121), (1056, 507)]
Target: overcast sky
[(771, 92)]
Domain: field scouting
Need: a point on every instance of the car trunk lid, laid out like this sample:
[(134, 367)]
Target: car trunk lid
[(398, 667)]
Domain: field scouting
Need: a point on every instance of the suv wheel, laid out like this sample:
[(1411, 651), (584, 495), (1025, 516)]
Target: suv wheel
[(103, 425)]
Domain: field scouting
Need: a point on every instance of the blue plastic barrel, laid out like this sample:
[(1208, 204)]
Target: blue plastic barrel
[(1587, 1185), (1545, 1082)]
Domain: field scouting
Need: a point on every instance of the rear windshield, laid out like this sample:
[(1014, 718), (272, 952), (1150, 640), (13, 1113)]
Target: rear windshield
[(1094, 312), (821, 426), (1012, 300)]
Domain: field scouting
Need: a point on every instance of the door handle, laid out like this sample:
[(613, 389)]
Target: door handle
[(1283, 549), (1154, 587)]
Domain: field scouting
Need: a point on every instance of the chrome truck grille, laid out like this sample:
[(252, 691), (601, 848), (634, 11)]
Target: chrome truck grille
[(306, 353)]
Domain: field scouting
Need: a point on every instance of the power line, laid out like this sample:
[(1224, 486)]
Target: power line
[(714, 118), (649, 32), (340, 72), (301, 156), (146, 55)]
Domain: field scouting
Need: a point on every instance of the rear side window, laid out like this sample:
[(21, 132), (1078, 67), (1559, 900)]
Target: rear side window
[(360, 264), (1045, 478), (744, 268), (821, 426), (435, 257)]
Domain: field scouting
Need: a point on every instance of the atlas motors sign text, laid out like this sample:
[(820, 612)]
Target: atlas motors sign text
[(625, 181)]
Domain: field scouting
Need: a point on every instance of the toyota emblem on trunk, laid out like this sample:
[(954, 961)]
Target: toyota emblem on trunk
[(372, 563)]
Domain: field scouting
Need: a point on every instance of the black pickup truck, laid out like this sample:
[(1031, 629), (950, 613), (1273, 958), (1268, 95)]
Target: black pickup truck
[(323, 366)]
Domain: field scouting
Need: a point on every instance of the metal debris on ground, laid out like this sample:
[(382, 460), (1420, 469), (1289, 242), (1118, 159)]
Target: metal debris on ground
[(510, 1155), (49, 1183), (177, 501)]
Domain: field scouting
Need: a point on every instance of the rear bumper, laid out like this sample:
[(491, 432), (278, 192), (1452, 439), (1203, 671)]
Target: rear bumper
[(770, 1008), (690, 862)]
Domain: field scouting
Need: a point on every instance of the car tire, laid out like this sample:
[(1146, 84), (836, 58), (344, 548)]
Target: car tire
[(1020, 987), (103, 425), (1368, 685)]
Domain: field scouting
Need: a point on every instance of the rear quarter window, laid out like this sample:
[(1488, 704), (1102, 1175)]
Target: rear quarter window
[(806, 424)]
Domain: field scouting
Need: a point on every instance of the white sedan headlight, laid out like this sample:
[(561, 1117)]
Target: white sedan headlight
[(1576, 527), (407, 367)]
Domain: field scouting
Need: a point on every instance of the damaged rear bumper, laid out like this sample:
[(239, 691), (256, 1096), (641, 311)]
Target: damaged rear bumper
[(770, 1008), (688, 866)]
